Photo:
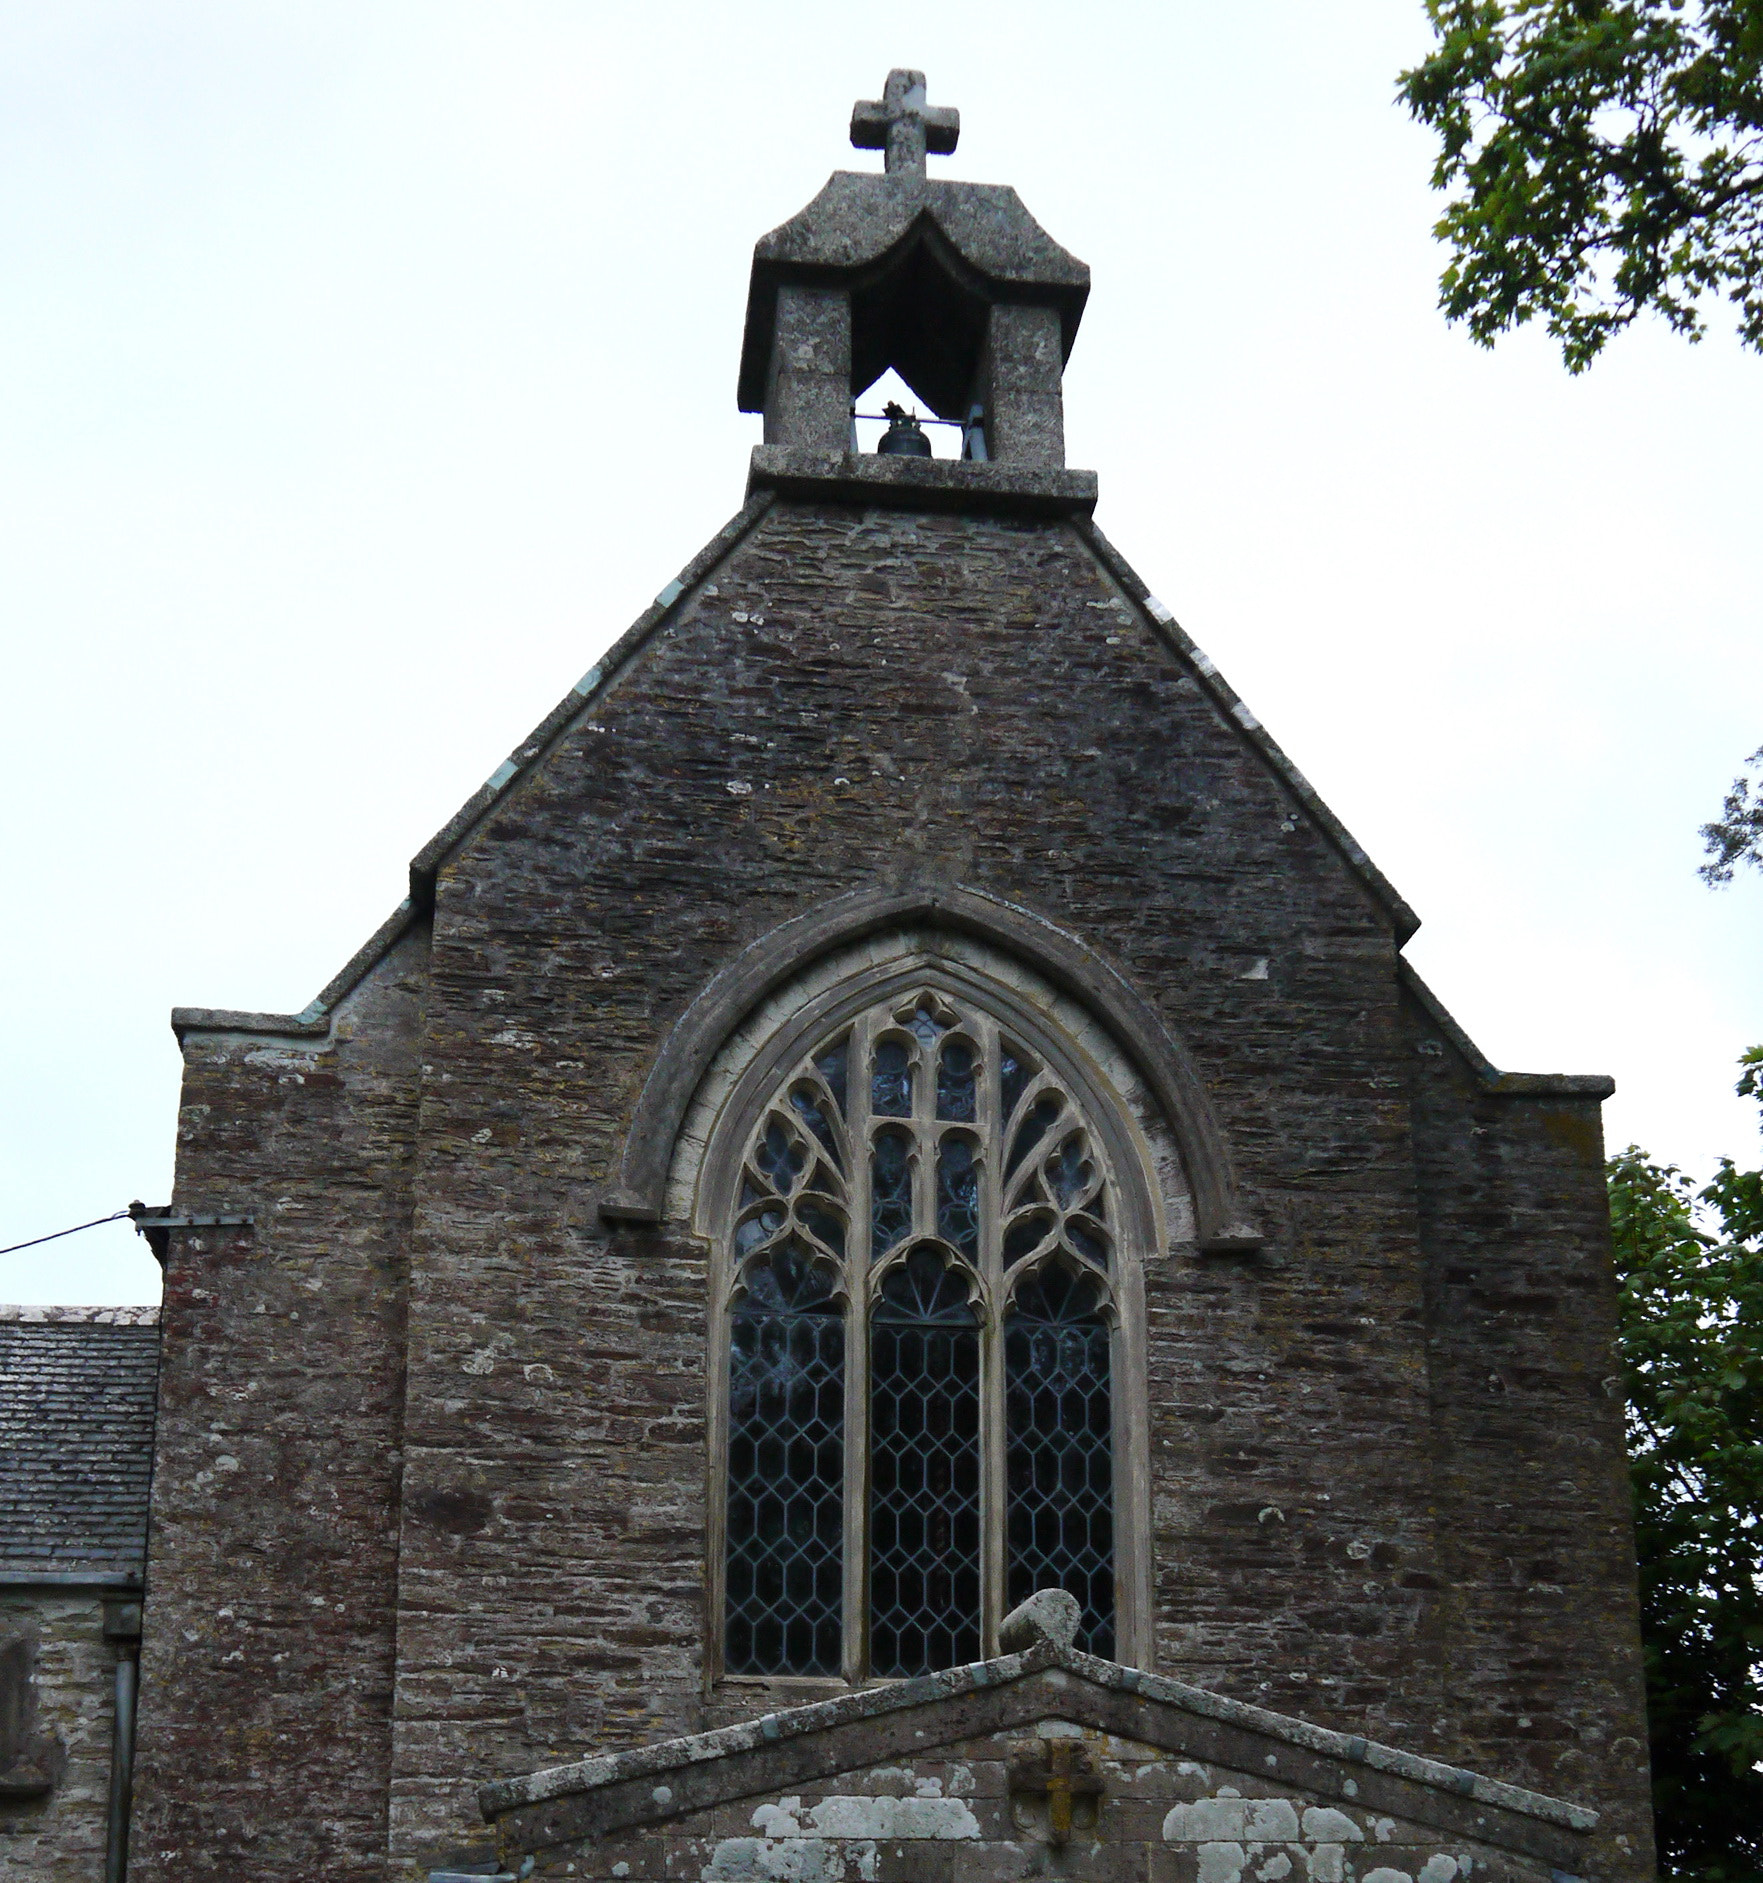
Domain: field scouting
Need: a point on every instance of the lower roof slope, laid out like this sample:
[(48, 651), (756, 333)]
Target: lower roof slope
[(78, 1392)]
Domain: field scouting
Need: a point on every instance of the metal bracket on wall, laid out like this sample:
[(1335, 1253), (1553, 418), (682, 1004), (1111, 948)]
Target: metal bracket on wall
[(156, 1224)]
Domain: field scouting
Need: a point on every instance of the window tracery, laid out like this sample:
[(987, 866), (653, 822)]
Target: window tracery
[(921, 1318)]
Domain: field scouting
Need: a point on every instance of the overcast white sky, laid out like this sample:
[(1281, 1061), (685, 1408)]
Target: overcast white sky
[(365, 368)]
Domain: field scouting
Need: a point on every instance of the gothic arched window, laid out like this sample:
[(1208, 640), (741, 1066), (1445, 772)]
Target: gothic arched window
[(921, 1276)]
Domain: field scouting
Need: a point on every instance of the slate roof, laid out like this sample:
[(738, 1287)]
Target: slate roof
[(78, 1389)]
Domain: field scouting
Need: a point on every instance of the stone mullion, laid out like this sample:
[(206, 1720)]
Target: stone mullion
[(993, 1487), (858, 1263), (923, 1124)]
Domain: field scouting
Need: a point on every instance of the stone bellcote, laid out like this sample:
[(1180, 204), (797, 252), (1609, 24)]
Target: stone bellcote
[(954, 286)]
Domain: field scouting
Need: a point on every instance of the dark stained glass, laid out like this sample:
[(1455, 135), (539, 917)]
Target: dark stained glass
[(1015, 1069), (1059, 1446), (958, 1193), (811, 1109), (924, 1026), (1070, 1171), (957, 1097), (1027, 1233), (890, 1082), (924, 1532), (1043, 1114), (823, 1221), (786, 1471), (758, 1228), (832, 1063), (780, 1155), (890, 1190), (1088, 1239)]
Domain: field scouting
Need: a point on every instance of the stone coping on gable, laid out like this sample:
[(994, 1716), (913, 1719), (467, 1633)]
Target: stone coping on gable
[(505, 1795)]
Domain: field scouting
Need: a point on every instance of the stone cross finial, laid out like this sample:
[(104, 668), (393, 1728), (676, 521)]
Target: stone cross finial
[(903, 125)]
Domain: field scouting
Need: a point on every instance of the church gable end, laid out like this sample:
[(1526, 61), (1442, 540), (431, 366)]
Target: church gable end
[(895, 1096)]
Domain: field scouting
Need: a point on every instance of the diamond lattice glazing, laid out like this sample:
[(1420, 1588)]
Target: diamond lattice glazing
[(914, 1172), (1060, 1451), (924, 1463), (786, 1472)]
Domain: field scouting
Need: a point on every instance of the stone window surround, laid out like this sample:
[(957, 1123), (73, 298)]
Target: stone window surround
[(1156, 1213), (643, 1190)]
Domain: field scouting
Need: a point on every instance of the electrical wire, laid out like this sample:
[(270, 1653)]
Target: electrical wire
[(97, 1222)]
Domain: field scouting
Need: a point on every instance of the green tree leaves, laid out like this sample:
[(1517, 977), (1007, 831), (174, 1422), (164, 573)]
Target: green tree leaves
[(1690, 1266), (1736, 835), (1608, 159)]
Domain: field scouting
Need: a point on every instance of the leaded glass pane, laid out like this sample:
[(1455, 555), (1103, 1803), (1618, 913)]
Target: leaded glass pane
[(786, 1471), (781, 1156), (956, 1083), (1043, 1114), (811, 1107), (924, 1464), (1059, 1453), (890, 1080), (1070, 1172), (831, 1063), (924, 1024), (972, 1157), (890, 1191), (758, 1227), (958, 1193)]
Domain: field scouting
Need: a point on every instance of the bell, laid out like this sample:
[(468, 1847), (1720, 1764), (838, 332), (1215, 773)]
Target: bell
[(904, 437)]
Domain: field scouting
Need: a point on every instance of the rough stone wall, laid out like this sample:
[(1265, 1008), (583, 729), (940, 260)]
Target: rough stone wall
[(861, 699), (268, 1632), (1541, 1644), (853, 700), (59, 1838)]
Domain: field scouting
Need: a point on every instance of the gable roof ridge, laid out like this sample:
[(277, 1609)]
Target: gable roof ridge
[(314, 1020), (1236, 709), (511, 1794)]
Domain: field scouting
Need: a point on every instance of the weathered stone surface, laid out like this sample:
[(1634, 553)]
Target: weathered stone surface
[(973, 1773), (905, 124), (462, 1533), (57, 1835), (269, 1638), (1532, 1488), (862, 229), (1050, 1615)]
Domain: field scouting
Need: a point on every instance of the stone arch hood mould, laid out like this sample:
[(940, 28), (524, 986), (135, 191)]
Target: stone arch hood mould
[(861, 224)]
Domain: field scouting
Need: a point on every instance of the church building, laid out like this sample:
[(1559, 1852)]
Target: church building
[(884, 1275)]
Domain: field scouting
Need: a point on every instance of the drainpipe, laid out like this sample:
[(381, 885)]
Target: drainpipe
[(122, 1624)]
